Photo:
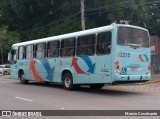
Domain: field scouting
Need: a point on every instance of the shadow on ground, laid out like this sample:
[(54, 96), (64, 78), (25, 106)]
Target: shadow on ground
[(85, 89)]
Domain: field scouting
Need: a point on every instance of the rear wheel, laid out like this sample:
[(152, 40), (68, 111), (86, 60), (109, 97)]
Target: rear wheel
[(68, 81), (5, 73), (96, 86), (47, 82), (22, 78)]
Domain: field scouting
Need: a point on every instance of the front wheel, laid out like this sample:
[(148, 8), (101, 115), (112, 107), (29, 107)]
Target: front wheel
[(68, 81), (22, 79), (96, 86)]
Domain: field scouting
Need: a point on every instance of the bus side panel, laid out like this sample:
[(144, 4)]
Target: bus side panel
[(78, 67), (40, 69), (13, 66), (81, 79), (102, 71), (25, 67), (55, 64), (44, 70), (81, 70), (13, 71)]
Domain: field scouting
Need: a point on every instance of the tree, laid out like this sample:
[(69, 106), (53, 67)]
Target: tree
[(7, 38), (34, 19), (154, 17)]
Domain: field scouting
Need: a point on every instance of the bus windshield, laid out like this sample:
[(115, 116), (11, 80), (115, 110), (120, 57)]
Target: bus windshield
[(132, 37)]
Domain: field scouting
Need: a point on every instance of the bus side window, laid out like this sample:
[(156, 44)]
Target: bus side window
[(29, 51), (68, 47), (86, 45), (53, 48), (40, 50), (21, 51), (103, 43)]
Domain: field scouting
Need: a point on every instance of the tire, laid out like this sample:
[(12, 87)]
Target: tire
[(96, 86), (68, 81), (47, 82), (5, 73), (22, 79)]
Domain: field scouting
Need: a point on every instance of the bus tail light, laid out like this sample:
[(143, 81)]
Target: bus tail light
[(117, 67), (149, 68)]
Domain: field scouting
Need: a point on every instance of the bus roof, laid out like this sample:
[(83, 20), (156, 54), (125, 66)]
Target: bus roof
[(75, 34)]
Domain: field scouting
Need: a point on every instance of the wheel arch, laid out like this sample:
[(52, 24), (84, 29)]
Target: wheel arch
[(19, 72), (66, 71)]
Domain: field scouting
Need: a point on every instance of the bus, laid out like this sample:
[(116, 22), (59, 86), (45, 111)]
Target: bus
[(113, 54)]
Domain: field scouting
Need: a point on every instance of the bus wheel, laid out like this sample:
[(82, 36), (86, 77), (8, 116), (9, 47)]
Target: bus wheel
[(5, 73), (47, 83), (68, 81), (96, 86), (22, 79)]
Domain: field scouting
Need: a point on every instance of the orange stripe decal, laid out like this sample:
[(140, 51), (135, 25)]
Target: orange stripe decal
[(34, 72)]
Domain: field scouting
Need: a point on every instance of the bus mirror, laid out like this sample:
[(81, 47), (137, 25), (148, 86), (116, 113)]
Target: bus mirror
[(12, 51), (9, 56)]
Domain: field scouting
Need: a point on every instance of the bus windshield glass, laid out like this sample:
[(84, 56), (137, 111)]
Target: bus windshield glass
[(132, 37)]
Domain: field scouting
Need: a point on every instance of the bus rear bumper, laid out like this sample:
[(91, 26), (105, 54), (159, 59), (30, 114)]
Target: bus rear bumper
[(131, 78)]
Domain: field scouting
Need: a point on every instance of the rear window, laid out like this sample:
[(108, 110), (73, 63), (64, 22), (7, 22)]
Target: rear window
[(132, 37)]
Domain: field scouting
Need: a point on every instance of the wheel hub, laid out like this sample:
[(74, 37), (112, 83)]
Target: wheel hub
[(67, 81)]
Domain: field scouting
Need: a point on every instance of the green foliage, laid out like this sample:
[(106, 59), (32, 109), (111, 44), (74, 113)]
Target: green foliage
[(33, 19), (154, 18), (29, 16), (7, 38)]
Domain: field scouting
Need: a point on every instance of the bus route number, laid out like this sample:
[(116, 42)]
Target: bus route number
[(124, 54)]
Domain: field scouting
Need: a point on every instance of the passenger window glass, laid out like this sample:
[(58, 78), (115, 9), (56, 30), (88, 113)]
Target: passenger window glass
[(86, 45), (103, 43), (21, 52), (29, 51), (68, 47), (53, 49), (40, 51)]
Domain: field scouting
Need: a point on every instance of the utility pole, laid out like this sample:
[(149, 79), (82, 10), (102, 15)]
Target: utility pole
[(82, 15)]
